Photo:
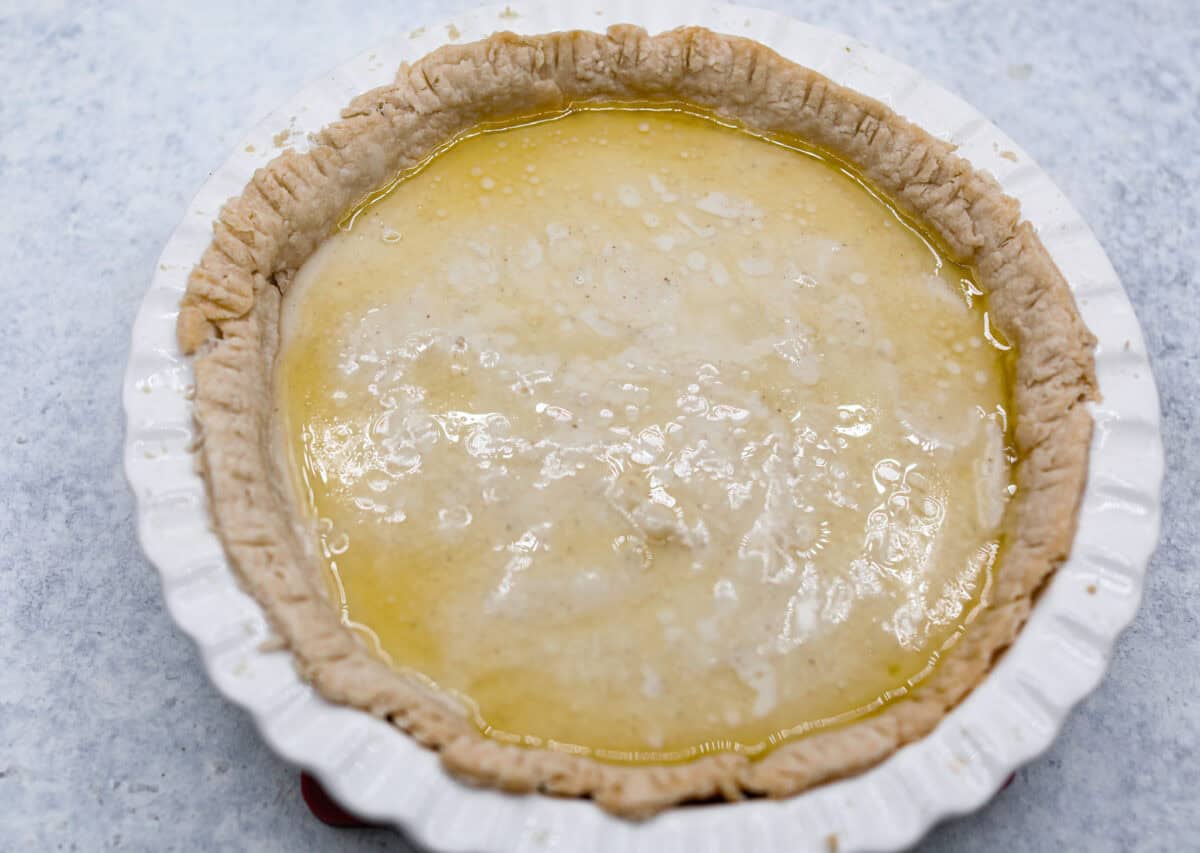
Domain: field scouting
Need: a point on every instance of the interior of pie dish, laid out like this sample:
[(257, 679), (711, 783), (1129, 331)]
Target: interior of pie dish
[(642, 418)]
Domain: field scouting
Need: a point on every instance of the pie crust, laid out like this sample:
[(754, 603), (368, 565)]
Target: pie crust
[(229, 323)]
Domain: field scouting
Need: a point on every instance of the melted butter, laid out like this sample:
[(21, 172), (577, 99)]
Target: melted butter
[(646, 436)]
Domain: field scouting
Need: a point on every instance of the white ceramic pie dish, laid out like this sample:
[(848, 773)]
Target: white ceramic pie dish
[(378, 772)]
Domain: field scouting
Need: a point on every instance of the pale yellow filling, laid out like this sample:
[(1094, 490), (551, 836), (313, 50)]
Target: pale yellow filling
[(645, 435)]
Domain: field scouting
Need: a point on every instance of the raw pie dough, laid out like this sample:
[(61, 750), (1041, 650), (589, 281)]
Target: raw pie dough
[(781, 534)]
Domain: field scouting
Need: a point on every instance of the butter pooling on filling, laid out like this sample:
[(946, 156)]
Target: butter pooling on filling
[(645, 436)]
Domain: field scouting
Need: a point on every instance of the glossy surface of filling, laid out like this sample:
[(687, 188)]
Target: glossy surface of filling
[(645, 435)]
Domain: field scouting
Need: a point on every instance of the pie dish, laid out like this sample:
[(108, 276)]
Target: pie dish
[(229, 321)]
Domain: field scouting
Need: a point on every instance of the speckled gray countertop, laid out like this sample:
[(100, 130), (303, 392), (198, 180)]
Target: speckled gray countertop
[(113, 114)]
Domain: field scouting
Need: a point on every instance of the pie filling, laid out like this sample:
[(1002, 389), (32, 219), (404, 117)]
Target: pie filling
[(646, 436)]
